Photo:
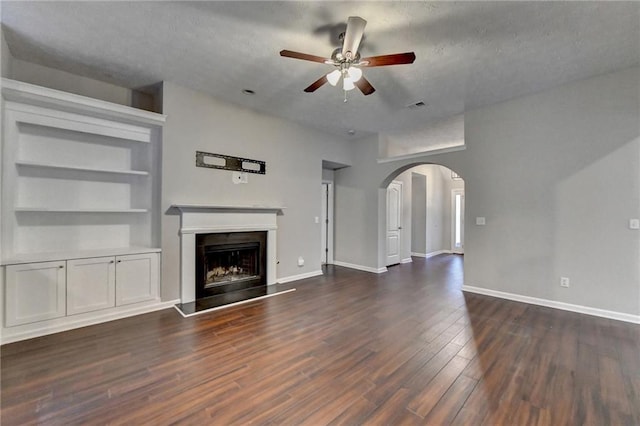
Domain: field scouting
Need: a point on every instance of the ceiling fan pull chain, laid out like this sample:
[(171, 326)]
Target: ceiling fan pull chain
[(345, 97)]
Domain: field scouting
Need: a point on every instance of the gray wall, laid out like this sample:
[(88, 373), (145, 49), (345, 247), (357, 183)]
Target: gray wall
[(293, 154), (556, 175), (418, 213), (62, 80), (438, 208), (441, 134), (327, 175), (5, 59), (435, 221), (358, 199)]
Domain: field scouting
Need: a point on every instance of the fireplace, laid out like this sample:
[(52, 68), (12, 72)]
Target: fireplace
[(197, 220), (230, 261)]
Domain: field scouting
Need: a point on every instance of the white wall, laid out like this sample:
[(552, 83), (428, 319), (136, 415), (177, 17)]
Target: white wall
[(293, 156), (557, 176)]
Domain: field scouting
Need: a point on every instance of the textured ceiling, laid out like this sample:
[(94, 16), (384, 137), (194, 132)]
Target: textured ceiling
[(469, 54)]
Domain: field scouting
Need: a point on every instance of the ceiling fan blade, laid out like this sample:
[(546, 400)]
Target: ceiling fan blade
[(316, 84), (303, 56), (395, 59), (353, 36), (365, 87)]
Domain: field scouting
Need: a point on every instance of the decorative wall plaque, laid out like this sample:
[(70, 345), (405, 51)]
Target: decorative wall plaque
[(227, 162)]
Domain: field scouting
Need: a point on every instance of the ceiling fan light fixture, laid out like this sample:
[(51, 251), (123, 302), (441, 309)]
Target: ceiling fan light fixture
[(333, 77), (347, 61), (354, 73), (347, 83)]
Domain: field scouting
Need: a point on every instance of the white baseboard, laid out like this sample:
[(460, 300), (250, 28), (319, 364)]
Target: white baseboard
[(299, 276), (436, 253), (43, 328), (620, 316), (360, 267), (407, 260), (433, 253)]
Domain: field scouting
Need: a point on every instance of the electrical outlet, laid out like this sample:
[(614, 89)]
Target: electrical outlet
[(634, 223), (300, 261), (564, 282)]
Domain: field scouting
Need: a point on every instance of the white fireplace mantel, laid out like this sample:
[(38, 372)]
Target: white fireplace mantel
[(216, 207), (203, 219)]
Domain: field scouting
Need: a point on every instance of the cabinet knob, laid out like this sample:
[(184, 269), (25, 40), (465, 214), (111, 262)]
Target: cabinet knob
[(61, 266), (111, 261), (119, 261)]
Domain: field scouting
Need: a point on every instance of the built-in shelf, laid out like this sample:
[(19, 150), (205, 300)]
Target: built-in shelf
[(81, 169), (26, 93), (77, 254), (48, 210), (75, 171)]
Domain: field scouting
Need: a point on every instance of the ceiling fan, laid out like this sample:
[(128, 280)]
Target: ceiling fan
[(347, 61)]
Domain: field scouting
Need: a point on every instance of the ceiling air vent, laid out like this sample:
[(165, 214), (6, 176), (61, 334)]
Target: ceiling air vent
[(417, 105)]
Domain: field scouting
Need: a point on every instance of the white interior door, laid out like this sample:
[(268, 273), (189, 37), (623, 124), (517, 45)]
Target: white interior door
[(394, 222), (457, 221)]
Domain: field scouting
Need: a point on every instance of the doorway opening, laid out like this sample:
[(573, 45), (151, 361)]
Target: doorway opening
[(457, 221), (326, 223), (424, 213)]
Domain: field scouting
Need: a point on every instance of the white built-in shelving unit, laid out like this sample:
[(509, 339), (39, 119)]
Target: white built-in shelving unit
[(80, 180)]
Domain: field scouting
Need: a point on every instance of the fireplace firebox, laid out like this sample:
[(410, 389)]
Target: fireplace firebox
[(228, 262)]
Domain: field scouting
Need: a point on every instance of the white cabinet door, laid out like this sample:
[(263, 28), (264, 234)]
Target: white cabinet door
[(137, 278), (90, 284), (35, 292)]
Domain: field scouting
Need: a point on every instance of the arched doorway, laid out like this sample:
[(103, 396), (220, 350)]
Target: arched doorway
[(430, 219)]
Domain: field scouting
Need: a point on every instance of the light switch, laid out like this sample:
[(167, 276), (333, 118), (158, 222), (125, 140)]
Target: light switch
[(480, 221), (634, 223), (317, 219)]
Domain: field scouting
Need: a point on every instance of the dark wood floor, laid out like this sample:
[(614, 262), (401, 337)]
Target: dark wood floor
[(405, 347)]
